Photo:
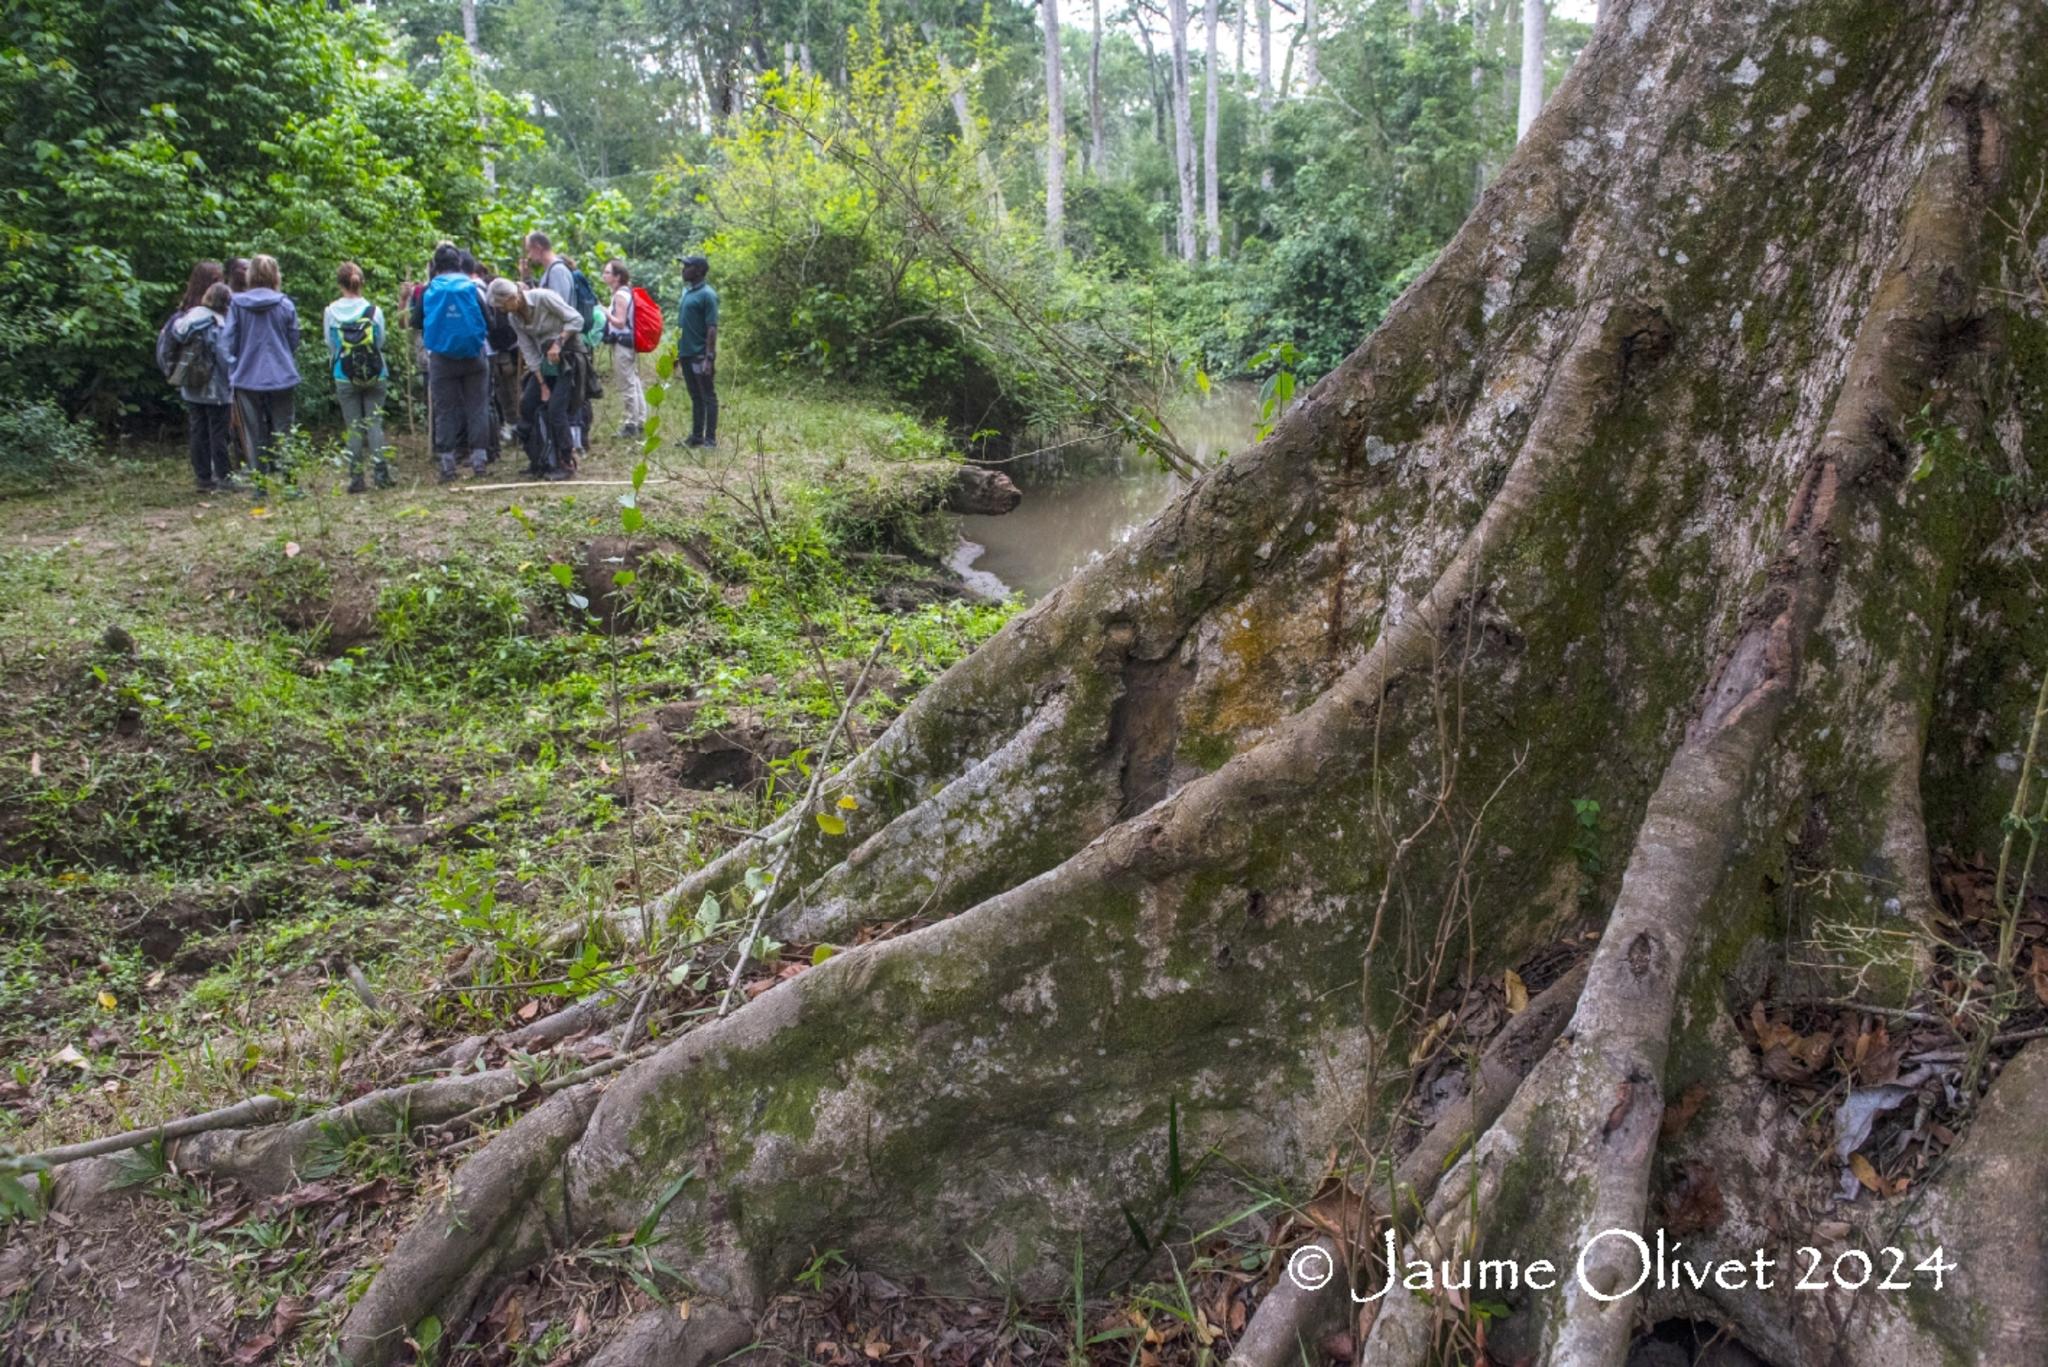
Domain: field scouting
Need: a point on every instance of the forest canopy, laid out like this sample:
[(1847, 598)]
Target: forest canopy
[(154, 135)]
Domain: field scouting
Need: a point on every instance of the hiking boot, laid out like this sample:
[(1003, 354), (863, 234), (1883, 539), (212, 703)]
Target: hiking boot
[(359, 485), (555, 476), (384, 477), (207, 486)]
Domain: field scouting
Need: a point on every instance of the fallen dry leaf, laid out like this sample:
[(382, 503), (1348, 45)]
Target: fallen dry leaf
[(1866, 1174), (1517, 992), (1679, 1113)]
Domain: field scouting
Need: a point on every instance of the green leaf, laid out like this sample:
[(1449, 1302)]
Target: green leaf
[(624, 579), (656, 395), (830, 824), (1924, 468), (639, 476), (822, 953), (564, 576), (427, 1334), (651, 429), (632, 519)]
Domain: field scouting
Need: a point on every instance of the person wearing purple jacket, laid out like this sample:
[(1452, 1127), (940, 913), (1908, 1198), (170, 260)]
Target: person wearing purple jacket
[(261, 340)]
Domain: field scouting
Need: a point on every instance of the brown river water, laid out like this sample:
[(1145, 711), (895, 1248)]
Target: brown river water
[(1081, 498)]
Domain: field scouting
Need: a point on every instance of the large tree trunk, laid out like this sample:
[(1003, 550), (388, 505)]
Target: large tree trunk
[(1620, 502)]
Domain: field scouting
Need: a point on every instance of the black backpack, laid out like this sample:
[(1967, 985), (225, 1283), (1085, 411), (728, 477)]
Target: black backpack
[(191, 357), (361, 362), (498, 329)]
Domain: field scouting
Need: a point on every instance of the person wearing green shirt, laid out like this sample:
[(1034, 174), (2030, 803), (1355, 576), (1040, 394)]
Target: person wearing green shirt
[(697, 350)]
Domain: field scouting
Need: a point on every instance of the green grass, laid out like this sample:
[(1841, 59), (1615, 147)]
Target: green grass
[(245, 744)]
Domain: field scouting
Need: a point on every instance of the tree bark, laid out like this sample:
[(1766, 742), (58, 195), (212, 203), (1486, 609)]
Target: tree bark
[(1183, 130), (1529, 103), (1095, 91), (1618, 503), (1211, 96), (1311, 69), (1265, 89), (1055, 130)]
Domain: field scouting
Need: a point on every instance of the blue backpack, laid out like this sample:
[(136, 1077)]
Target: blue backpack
[(452, 317)]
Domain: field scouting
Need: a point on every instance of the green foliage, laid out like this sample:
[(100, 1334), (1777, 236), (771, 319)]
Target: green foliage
[(40, 448), (860, 236), (248, 126)]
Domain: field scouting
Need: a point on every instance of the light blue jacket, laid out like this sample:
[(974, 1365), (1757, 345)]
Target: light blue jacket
[(347, 310)]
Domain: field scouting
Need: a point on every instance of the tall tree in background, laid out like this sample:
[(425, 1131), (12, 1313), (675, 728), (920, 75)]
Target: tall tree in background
[(1183, 129), (1529, 104), (1212, 81), (1095, 89), (1265, 87), (1311, 67), (1055, 129), (476, 55)]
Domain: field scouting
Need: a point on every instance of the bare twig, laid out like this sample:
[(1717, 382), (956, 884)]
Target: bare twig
[(803, 808)]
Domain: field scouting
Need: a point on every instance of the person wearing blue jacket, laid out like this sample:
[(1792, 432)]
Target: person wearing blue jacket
[(261, 340), (355, 339)]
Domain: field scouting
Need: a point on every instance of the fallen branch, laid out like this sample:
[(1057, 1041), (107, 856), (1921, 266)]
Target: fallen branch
[(547, 484), (255, 1111)]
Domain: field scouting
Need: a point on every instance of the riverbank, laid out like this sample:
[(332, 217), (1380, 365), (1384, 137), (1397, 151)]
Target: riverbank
[(268, 769)]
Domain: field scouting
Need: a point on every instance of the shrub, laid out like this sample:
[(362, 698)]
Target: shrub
[(41, 448)]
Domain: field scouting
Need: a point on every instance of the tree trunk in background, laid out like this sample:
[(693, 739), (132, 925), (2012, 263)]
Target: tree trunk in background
[(1311, 73), (1265, 90), (1055, 130), (1187, 236), (1530, 103), (1237, 65), (1095, 91), (963, 114), (476, 55), (1698, 476), (1211, 197)]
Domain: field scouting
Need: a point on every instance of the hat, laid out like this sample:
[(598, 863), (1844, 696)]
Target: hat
[(701, 263)]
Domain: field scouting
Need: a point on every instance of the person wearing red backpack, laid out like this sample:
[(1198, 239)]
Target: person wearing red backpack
[(620, 331)]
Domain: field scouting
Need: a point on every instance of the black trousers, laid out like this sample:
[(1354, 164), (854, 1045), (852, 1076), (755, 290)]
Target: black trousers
[(460, 389), (206, 431), (545, 422), (703, 401)]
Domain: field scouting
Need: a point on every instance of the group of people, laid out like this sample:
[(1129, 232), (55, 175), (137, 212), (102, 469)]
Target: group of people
[(493, 346)]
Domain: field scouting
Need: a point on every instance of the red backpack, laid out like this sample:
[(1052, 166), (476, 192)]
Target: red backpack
[(646, 322)]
